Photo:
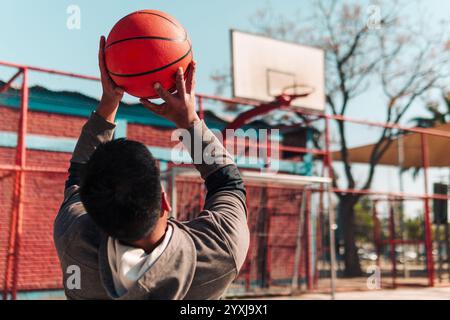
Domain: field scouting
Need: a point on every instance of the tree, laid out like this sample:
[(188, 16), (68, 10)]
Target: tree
[(365, 49), (414, 229), (436, 115), (364, 221)]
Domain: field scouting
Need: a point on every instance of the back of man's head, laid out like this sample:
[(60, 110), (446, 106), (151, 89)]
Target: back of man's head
[(121, 189)]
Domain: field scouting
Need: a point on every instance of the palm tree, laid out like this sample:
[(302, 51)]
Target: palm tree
[(436, 117)]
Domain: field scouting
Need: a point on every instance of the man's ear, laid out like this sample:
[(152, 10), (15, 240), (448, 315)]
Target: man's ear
[(165, 205)]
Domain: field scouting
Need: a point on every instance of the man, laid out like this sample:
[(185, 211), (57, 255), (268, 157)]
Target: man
[(113, 224)]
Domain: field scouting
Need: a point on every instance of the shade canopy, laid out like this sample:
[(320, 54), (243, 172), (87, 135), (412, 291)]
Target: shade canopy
[(439, 150)]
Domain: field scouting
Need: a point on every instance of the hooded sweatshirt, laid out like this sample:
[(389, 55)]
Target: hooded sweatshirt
[(128, 264), (198, 259)]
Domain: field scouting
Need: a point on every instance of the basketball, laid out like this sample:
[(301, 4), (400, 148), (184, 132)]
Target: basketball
[(146, 47)]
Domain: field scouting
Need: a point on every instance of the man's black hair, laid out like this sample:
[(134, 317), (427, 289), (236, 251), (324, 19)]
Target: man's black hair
[(121, 189)]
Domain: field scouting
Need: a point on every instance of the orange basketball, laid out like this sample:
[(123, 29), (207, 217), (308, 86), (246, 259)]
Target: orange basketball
[(146, 47)]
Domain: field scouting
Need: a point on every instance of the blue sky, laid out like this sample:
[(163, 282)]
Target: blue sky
[(38, 34), (35, 33)]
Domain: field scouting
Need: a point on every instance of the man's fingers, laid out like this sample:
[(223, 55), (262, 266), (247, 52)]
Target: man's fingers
[(163, 93), (156, 108), (181, 86), (190, 81), (101, 55)]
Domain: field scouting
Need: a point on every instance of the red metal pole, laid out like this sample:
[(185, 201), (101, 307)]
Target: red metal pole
[(229, 100), (328, 156), (33, 169), (269, 248), (249, 103), (403, 195), (392, 245), (308, 258), (50, 71), (331, 213), (248, 263), (21, 160), (318, 239), (428, 240), (12, 262), (244, 117), (376, 232), (12, 239), (434, 132), (6, 86)]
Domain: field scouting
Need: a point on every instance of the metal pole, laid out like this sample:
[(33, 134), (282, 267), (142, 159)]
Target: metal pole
[(331, 216), (12, 238), (298, 246), (49, 71), (447, 245), (438, 243), (248, 262), (7, 85), (376, 232), (19, 187), (21, 148), (17, 207), (447, 234), (433, 132), (401, 162), (428, 240), (268, 261), (318, 240), (392, 244), (308, 260)]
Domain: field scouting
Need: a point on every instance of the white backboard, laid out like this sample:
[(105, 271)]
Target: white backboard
[(262, 67)]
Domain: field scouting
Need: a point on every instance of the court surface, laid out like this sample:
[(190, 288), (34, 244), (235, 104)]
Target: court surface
[(388, 294)]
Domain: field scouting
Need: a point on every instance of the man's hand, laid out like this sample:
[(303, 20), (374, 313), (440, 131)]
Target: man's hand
[(112, 94), (180, 106)]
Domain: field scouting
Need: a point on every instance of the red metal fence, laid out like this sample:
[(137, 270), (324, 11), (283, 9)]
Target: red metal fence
[(21, 169)]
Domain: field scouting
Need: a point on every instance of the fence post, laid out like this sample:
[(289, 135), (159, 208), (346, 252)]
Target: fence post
[(428, 240)]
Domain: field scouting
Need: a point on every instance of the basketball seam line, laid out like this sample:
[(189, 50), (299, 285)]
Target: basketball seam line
[(152, 13), (149, 37), (153, 70)]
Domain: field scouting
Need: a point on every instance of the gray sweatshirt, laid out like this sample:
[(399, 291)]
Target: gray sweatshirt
[(203, 257)]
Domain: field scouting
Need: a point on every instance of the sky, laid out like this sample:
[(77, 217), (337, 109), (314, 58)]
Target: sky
[(38, 34), (35, 33)]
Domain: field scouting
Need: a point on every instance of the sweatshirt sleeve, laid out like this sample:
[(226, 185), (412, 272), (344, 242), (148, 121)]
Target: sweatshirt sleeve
[(224, 217), (94, 132)]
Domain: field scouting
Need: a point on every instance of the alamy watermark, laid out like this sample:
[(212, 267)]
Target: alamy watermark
[(73, 21), (374, 280), (73, 280), (251, 148), (373, 17)]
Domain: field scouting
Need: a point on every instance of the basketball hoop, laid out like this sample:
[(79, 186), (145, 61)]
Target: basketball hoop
[(285, 99), (294, 92), (290, 74)]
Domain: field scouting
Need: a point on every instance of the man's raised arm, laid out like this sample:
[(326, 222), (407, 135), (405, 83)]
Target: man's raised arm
[(98, 129), (225, 214)]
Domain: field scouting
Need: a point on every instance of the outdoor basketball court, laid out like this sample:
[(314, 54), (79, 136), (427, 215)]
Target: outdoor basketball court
[(399, 294), (318, 230)]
